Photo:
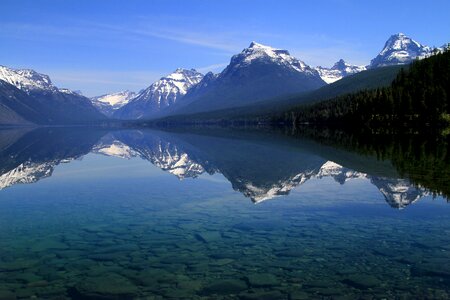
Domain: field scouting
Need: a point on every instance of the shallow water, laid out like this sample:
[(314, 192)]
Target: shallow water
[(90, 214)]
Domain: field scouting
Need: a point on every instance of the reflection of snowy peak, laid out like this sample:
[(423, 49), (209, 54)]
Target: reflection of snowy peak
[(338, 172), (169, 158), (166, 156), (259, 194), (27, 172), (117, 149), (398, 193), (262, 193)]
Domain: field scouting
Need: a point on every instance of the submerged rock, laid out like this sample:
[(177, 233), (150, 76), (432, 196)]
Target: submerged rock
[(109, 286), (259, 280), (361, 281), (226, 286)]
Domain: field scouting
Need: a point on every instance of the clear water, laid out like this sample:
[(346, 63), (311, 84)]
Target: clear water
[(142, 214)]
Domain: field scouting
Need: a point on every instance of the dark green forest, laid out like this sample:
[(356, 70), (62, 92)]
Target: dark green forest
[(418, 96)]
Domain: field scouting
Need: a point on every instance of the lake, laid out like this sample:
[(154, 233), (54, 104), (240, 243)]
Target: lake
[(219, 213)]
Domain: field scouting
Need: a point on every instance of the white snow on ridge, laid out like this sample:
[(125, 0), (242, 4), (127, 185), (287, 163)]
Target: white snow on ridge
[(26, 79), (339, 70), (115, 100), (258, 51), (168, 89), (400, 49)]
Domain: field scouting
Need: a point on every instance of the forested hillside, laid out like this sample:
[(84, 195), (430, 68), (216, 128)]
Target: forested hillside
[(418, 96)]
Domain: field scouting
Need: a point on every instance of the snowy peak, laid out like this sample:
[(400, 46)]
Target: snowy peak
[(261, 53), (168, 89), (69, 92), (341, 65), (181, 79), (400, 49), (161, 94), (400, 42), (26, 79), (116, 100), (339, 70)]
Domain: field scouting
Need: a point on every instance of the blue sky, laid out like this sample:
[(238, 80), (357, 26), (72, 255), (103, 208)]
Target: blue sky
[(106, 46)]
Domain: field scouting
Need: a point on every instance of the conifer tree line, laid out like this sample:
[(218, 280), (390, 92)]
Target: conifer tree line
[(418, 96)]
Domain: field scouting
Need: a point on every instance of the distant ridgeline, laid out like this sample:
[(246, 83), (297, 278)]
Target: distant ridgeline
[(418, 96), (423, 160)]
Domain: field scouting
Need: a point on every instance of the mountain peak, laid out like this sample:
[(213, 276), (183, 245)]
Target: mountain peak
[(160, 94), (400, 49), (109, 103), (26, 79), (340, 65), (258, 45), (257, 52), (183, 75), (339, 70)]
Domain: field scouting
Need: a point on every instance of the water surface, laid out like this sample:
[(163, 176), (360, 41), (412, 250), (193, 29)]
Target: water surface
[(98, 214)]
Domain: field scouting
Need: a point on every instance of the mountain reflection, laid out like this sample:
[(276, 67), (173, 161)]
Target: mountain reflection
[(261, 166)]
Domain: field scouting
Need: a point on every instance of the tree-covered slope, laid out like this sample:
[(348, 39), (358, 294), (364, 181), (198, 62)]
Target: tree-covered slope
[(418, 96)]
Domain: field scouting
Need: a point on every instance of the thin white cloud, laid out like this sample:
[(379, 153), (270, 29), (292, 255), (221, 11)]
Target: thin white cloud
[(93, 82), (212, 68)]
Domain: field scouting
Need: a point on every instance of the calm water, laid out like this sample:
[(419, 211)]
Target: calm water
[(125, 214)]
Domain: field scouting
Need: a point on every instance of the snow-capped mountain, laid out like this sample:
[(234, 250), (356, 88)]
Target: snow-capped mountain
[(258, 72), (338, 71), (26, 79), (261, 53), (109, 103), (160, 95), (70, 92), (400, 49), (38, 101)]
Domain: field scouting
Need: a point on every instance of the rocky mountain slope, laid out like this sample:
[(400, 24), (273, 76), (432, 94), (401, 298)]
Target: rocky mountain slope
[(109, 103), (30, 97), (160, 95)]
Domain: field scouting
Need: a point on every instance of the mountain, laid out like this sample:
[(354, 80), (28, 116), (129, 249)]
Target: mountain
[(400, 49), (15, 106), (31, 155), (258, 72), (160, 95), (30, 97), (417, 98), (338, 71), (27, 80), (263, 111), (109, 103)]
